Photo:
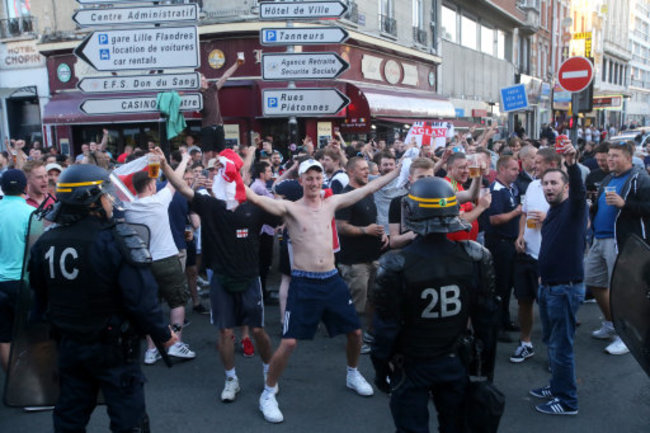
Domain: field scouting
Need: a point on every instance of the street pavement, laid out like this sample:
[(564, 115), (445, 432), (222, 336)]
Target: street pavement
[(614, 393)]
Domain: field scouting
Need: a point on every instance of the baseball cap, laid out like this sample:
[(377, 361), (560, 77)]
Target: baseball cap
[(13, 182), (53, 166), (211, 163), (307, 165)]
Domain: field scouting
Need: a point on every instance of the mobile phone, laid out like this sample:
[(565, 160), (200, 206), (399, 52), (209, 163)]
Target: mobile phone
[(205, 173)]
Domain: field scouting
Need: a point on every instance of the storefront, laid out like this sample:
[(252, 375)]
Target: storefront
[(389, 86), (24, 91)]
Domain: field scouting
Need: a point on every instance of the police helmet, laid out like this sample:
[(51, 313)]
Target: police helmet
[(431, 207), (77, 190)]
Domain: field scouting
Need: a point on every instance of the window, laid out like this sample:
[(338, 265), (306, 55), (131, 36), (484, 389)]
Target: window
[(468, 30), (387, 23), (448, 23), (418, 14), (18, 8), (501, 44), (487, 40)]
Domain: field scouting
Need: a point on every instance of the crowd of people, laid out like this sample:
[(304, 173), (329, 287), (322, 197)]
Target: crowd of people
[(336, 211)]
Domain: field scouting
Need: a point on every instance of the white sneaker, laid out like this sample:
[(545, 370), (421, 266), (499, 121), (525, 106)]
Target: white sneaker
[(181, 350), (270, 409), (605, 332), (230, 389), (359, 384), (151, 356), (617, 347), (276, 388)]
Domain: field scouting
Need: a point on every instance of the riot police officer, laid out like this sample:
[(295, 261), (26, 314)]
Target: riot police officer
[(91, 279), (424, 295)]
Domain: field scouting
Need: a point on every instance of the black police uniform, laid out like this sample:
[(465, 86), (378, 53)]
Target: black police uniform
[(424, 295), (100, 297)]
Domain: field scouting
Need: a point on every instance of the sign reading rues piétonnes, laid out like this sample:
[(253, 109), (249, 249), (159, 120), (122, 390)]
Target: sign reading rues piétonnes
[(302, 102)]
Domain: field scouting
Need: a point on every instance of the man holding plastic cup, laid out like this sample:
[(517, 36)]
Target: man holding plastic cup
[(526, 273), (622, 208)]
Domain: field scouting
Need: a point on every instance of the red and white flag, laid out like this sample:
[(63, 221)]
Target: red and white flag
[(125, 172), (428, 134), (227, 184)]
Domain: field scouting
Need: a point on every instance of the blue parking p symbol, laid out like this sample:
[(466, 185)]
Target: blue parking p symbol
[(273, 102), (271, 35), (103, 39)]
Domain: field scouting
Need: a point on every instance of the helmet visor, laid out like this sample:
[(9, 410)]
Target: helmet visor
[(117, 192)]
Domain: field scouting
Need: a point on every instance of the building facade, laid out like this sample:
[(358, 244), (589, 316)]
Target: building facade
[(638, 106)]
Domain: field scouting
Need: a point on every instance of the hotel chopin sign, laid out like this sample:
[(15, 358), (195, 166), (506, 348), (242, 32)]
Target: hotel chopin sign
[(20, 55)]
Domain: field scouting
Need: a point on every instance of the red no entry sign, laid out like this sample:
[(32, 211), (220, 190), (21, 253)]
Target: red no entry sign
[(575, 74)]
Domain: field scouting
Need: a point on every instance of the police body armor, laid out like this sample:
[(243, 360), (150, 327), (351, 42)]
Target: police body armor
[(435, 302), (82, 298)]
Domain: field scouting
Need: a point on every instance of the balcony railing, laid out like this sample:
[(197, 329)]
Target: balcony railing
[(388, 25), (420, 35), (14, 27)]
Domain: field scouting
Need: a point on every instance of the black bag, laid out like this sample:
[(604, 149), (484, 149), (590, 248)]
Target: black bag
[(484, 405)]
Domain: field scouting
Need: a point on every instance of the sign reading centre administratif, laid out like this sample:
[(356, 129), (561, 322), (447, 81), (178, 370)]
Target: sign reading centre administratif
[(302, 102), (137, 49), (136, 15), (137, 104)]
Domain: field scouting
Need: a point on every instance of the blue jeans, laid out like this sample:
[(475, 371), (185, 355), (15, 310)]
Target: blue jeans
[(557, 310)]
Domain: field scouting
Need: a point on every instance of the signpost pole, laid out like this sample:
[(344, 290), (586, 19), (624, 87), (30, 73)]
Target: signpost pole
[(293, 121)]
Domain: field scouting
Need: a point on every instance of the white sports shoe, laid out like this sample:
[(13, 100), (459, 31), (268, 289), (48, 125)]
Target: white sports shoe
[(230, 389), (151, 356), (359, 384), (605, 332), (617, 347), (181, 350), (270, 409)]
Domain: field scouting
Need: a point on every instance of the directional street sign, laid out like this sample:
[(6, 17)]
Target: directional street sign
[(273, 37), (301, 10), (141, 49), (575, 74), (140, 83), (302, 102), (88, 2), (514, 98), (301, 66), (139, 15), (139, 104)]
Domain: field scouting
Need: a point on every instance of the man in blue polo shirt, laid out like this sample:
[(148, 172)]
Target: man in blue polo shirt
[(14, 221), (501, 233)]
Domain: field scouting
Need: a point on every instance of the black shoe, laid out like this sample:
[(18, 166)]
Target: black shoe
[(511, 327), (504, 337), (200, 309)]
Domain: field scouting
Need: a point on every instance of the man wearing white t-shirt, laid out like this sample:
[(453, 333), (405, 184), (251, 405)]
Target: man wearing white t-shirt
[(151, 209), (526, 274)]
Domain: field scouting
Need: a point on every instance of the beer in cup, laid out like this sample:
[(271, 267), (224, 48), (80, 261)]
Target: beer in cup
[(560, 143), (474, 166), (153, 166)]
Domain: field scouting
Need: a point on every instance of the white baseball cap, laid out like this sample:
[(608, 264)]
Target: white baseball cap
[(308, 164), (53, 166)]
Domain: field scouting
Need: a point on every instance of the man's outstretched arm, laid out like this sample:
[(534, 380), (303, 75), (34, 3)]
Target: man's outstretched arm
[(351, 197), (274, 207)]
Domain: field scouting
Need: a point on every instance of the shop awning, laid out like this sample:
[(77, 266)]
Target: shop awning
[(403, 104)]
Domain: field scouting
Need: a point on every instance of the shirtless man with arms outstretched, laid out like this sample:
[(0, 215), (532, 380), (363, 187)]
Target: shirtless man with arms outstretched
[(317, 292)]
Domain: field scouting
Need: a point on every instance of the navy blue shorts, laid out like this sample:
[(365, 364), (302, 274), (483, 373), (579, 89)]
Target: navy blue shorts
[(8, 294), (229, 310), (316, 296)]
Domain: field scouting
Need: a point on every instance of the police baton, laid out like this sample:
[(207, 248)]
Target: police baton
[(163, 353)]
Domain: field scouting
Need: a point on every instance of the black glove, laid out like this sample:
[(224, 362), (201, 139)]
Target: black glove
[(382, 373)]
